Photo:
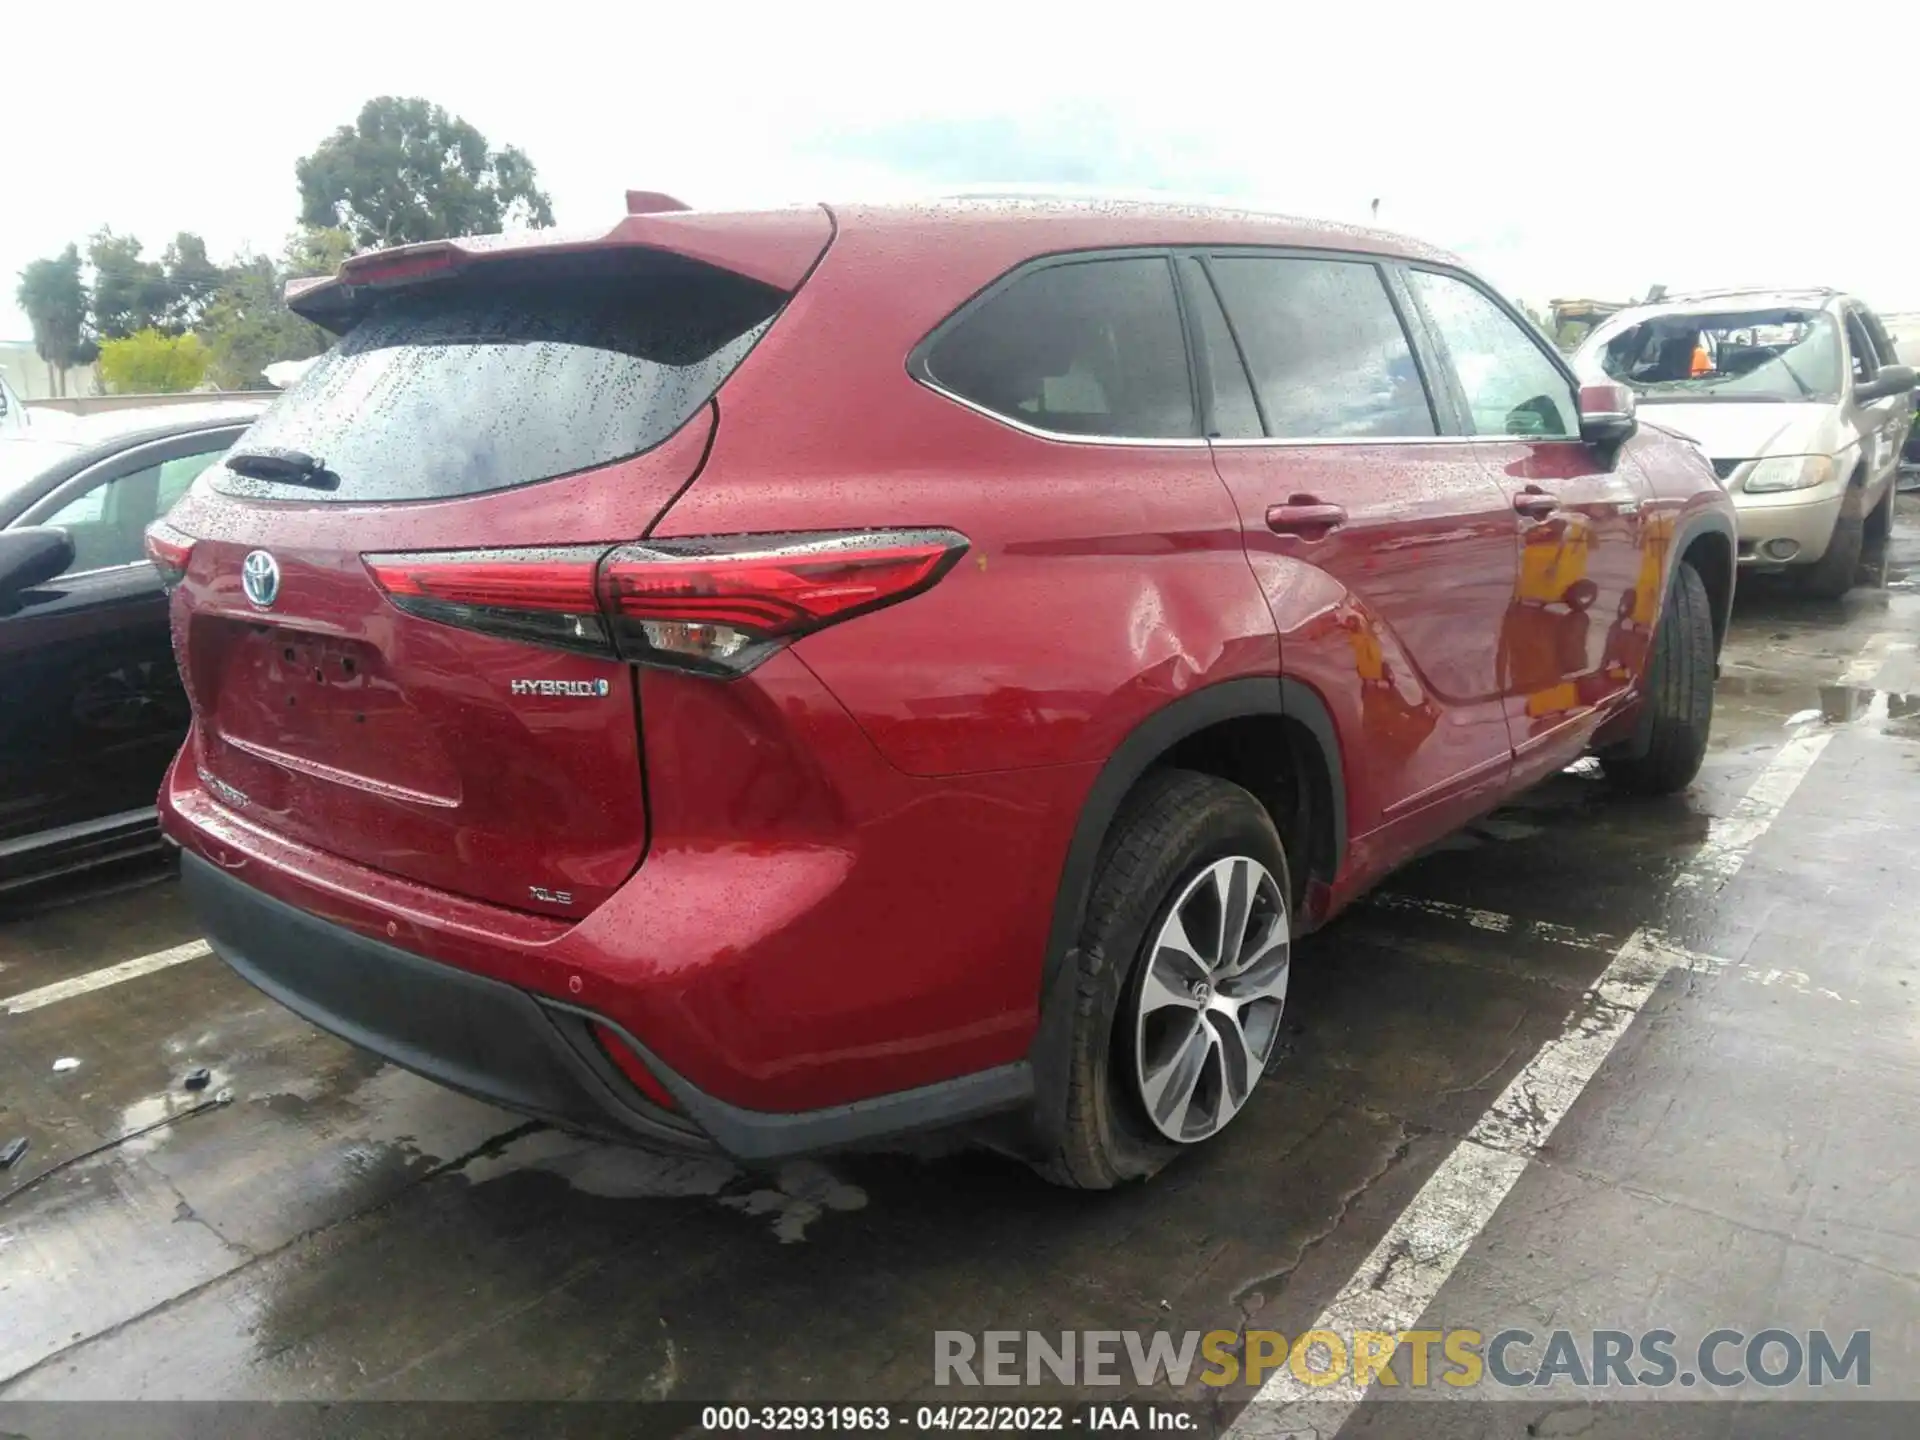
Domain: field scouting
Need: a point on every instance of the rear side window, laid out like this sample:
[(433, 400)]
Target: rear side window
[(474, 385), (1092, 347)]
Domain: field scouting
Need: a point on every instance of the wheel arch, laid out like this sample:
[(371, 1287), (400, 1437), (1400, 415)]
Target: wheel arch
[(1707, 542), (1215, 723)]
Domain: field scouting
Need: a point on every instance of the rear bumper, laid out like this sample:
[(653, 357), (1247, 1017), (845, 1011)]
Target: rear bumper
[(529, 1053)]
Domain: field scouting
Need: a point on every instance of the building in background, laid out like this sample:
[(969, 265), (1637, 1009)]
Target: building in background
[(30, 378)]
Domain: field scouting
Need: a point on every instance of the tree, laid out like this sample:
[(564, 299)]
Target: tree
[(150, 363), (408, 171), (192, 280), (129, 293), (247, 325), (55, 301), (312, 251)]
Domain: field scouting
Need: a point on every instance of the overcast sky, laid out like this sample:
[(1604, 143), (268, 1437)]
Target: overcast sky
[(1563, 149)]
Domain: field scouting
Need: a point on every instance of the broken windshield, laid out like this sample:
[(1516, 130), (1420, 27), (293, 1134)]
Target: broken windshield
[(1747, 355)]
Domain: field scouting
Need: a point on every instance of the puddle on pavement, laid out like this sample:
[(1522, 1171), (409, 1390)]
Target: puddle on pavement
[(792, 1198), (141, 1122), (1894, 712), (1762, 683)]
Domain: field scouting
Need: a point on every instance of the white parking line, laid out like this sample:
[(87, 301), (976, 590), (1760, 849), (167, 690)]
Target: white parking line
[(1401, 1276), (1494, 921), (100, 979)]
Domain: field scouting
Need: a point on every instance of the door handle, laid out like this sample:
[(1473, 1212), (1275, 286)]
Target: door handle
[(1535, 503), (1306, 516)]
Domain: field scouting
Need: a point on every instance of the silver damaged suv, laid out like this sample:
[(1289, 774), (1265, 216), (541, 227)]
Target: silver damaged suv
[(1796, 396)]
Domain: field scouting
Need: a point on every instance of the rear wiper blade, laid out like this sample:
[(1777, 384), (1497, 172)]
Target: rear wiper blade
[(282, 467)]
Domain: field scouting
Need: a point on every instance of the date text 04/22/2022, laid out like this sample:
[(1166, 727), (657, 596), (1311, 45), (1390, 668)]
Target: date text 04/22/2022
[(963, 1418)]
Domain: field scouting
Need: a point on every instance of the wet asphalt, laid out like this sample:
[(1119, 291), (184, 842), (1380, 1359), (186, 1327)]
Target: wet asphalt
[(316, 1225)]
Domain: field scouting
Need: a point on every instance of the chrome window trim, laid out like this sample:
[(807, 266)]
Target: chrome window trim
[(1388, 265), (1189, 442), (1175, 442), (1316, 440), (919, 372), (1383, 263)]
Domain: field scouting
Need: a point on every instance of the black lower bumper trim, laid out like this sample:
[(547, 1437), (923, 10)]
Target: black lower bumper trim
[(501, 1044)]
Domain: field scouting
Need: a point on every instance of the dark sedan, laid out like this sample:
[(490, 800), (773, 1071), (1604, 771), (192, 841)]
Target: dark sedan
[(91, 708)]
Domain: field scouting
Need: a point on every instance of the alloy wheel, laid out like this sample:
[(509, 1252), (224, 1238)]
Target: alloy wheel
[(1212, 990)]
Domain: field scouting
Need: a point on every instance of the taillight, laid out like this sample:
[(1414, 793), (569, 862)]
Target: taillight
[(722, 605), (717, 605), (544, 596), (170, 551)]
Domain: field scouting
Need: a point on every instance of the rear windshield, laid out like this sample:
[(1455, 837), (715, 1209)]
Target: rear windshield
[(1779, 355), (480, 384)]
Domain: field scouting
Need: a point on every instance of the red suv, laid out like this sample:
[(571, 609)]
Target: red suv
[(770, 681)]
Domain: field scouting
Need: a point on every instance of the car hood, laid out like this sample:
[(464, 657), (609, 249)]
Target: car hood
[(1730, 431)]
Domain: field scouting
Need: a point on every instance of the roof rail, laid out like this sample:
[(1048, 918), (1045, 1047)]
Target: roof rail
[(1096, 193), (1824, 291)]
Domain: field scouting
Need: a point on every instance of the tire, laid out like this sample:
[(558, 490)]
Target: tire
[(1679, 694), (1178, 833), (1831, 576), (1880, 522)]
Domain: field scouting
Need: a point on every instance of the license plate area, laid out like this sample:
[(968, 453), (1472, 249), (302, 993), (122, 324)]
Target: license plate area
[(326, 707)]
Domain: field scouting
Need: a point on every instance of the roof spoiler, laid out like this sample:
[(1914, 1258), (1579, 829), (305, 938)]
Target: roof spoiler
[(653, 202), (779, 248)]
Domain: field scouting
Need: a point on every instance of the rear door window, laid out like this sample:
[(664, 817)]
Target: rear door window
[(1235, 414), (1089, 347), (108, 521), (500, 379), (1329, 356)]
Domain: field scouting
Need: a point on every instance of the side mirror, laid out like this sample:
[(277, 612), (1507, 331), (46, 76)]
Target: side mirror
[(30, 555), (1891, 380), (1607, 419)]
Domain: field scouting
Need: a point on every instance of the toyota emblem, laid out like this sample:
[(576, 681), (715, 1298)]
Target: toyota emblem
[(260, 578)]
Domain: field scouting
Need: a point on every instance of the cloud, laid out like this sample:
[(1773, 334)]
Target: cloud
[(1560, 150), (1075, 143)]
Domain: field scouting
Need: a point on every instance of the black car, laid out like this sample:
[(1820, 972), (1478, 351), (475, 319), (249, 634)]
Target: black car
[(91, 709)]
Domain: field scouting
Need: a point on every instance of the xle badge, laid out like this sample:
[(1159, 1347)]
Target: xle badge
[(580, 689)]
